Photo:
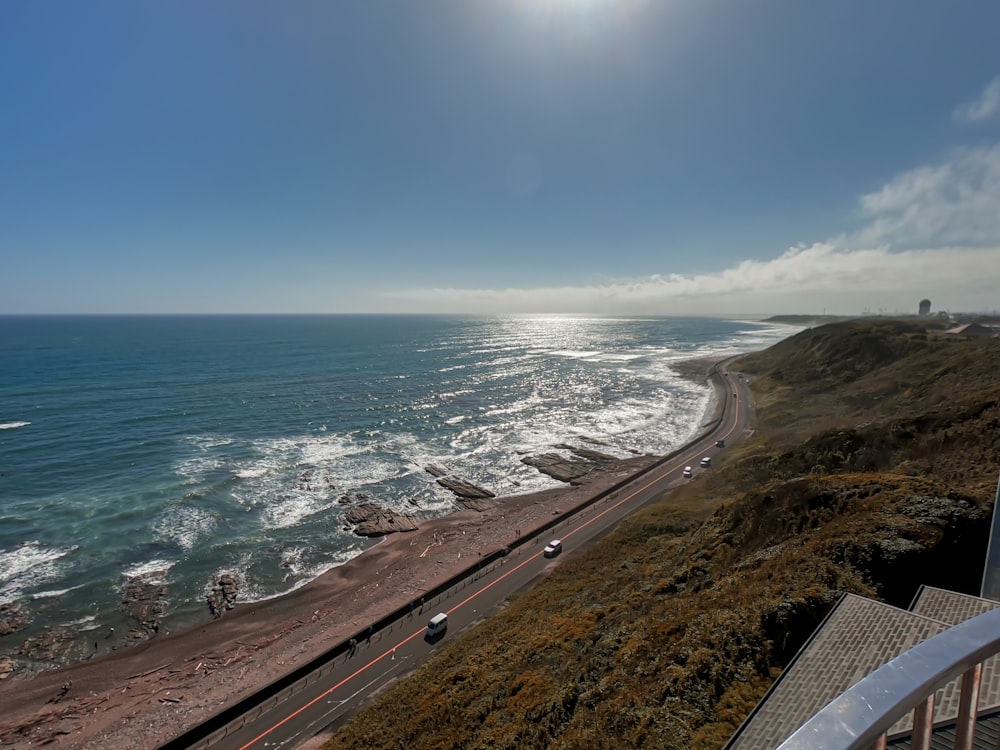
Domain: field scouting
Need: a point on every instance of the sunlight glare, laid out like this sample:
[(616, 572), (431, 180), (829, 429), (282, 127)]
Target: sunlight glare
[(582, 9)]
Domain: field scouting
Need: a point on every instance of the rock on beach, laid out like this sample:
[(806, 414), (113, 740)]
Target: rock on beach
[(370, 519), (13, 617), (571, 469), (144, 600), (470, 496), (223, 594)]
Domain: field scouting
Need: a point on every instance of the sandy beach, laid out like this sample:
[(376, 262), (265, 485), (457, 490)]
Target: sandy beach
[(144, 695)]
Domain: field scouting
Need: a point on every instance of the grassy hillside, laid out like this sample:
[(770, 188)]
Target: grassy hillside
[(872, 470)]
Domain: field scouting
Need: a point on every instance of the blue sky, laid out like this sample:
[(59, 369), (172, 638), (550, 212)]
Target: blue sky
[(578, 156)]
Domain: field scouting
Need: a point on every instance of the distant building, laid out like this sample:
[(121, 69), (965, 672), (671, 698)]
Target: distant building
[(925, 307), (971, 329)]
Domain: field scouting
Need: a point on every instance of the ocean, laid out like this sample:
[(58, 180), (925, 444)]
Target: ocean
[(183, 447)]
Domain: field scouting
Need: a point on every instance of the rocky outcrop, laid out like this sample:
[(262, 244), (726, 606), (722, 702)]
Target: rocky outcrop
[(470, 495), (478, 504), (573, 468), (223, 594), (370, 519), (49, 649), (144, 599), (14, 616), (558, 466), (464, 489), (597, 458)]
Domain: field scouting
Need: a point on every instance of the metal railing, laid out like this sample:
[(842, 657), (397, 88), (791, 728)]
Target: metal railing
[(859, 718)]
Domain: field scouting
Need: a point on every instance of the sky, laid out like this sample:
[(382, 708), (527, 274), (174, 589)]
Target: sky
[(672, 157)]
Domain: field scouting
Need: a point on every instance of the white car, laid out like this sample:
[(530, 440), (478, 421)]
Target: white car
[(553, 548), (687, 473), (706, 461), (437, 625)]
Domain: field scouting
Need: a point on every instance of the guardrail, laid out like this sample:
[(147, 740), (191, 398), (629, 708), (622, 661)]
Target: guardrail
[(860, 717)]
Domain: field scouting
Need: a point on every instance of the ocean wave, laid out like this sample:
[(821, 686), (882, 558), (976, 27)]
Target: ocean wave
[(297, 576), (83, 624), (147, 568), (28, 565), (516, 407), (291, 509), (446, 395), (285, 481), (207, 442), (54, 593), (619, 356), (184, 525), (198, 466), (13, 425), (573, 354)]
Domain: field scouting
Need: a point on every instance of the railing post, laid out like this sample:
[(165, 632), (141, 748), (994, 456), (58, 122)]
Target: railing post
[(968, 708), (879, 744), (923, 724)]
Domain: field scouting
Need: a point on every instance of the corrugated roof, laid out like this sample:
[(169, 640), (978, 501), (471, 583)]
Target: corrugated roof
[(858, 637)]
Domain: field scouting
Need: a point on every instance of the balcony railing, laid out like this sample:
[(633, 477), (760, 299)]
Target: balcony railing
[(859, 718)]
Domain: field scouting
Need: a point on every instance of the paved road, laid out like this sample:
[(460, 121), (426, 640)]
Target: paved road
[(340, 687)]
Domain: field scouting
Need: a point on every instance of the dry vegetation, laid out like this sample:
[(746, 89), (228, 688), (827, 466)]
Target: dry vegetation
[(872, 471)]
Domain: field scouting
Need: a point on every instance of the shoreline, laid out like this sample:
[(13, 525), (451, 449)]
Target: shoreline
[(160, 687)]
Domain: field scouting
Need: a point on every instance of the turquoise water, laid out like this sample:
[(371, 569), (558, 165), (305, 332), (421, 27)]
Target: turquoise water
[(202, 445)]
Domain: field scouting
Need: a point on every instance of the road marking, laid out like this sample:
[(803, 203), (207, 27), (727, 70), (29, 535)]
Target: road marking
[(356, 693)]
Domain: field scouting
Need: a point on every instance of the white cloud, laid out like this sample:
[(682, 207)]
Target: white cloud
[(983, 107), (802, 279), (953, 203)]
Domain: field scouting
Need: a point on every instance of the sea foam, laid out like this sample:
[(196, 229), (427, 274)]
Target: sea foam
[(148, 568), (28, 565)]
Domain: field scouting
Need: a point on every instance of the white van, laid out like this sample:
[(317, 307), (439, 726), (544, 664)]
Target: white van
[(437, 625)]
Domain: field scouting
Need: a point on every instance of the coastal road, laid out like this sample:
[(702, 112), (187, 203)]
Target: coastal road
[(337, 689)]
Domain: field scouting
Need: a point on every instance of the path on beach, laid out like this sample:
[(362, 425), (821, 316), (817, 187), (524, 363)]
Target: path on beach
[(337, 689)]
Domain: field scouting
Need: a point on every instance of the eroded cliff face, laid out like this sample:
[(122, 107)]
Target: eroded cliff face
[(872, 471)]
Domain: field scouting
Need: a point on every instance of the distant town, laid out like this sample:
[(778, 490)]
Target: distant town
[(966, 324)]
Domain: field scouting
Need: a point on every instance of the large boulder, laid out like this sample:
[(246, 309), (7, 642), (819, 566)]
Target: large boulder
[(470, 495), (573, 468), (369, 519), (144, 599), (223, 594), (14, 616)]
